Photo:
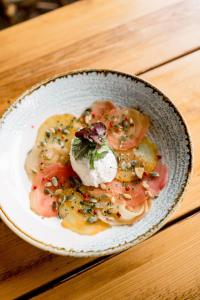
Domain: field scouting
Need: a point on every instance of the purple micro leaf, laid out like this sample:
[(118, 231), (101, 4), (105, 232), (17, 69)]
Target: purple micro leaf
[(95, 133)]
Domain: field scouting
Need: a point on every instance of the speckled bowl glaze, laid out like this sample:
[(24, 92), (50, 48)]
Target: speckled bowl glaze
[(72, 93)]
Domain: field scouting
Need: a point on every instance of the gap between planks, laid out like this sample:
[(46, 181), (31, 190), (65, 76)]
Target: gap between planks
[(168, 61), (80, 270), (167, 30), (166, 267), (69, 275)]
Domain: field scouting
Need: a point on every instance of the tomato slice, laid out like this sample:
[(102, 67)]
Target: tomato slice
[(156, 184), (124, 216), (74, 219), (42, 196), (100, 109), (133, 193), (125, 204), (126, 128), (42, 204), (61, 172), (52, 144), (119, 204), (145, 155)]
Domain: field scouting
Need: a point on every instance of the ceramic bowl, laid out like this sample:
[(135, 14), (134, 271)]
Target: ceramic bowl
[(72, 93)]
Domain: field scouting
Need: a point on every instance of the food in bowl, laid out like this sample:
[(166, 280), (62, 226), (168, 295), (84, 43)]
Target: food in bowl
[(95, 171)]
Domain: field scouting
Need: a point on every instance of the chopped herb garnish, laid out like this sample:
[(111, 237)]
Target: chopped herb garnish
[(67, 197), (123, 138), (123, 165), (125, 125), (116, 126), (48, 184), (92, 219), (87, 210), (59, 141), (107, 212), (133, 163), (82, 202), (53, 129), (93, 200), (87, 112), (54, 181), (43, 143), (47, 191), (154, 174), (34, 171), (48, 134), (65, 131)]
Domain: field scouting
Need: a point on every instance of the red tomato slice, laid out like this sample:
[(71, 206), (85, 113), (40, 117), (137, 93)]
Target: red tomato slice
[(136, 192), (133, 194), (100, 108), (61, 172), (41, 202), (156, 184), (126, 128)]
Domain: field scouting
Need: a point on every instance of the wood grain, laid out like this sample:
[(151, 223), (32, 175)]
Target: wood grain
[(105, 34), (24, 267), (180, 80), (165, 267), (35, 269), (112, 35)]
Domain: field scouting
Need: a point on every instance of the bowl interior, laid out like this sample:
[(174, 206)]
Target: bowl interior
[(72, 94)]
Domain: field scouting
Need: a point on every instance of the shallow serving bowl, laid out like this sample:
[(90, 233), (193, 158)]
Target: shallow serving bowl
[(72, 93)]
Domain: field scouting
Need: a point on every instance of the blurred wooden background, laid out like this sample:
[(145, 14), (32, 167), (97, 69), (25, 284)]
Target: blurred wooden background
[(159, 40), (16, 11)]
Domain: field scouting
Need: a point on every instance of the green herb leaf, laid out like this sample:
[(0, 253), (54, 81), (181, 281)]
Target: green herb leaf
[(95, 155), (100, 155), (80, 148), (47, 191), (91, 157), (89, 150)]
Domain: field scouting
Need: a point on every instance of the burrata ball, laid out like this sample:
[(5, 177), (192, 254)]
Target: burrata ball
[(105, 169)]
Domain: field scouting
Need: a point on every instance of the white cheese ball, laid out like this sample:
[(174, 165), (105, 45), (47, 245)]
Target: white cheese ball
[(105, 169)]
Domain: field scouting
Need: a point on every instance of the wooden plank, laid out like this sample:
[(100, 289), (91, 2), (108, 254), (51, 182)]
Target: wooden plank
[(130, 36), (24, 267), (167, 266), (180, 80), (177, 83), (53, 45)]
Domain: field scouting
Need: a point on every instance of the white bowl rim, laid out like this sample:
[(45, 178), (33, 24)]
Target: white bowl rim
[(126, 245)]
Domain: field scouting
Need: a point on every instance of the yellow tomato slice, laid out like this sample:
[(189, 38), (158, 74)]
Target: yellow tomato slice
[(126, 163), (121, 215), (145, 155), (52, 144), (126, 128), (58, 130), (96, 112), (72, 217)]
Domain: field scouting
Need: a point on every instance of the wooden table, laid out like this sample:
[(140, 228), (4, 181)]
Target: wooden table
[(159, 41)]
